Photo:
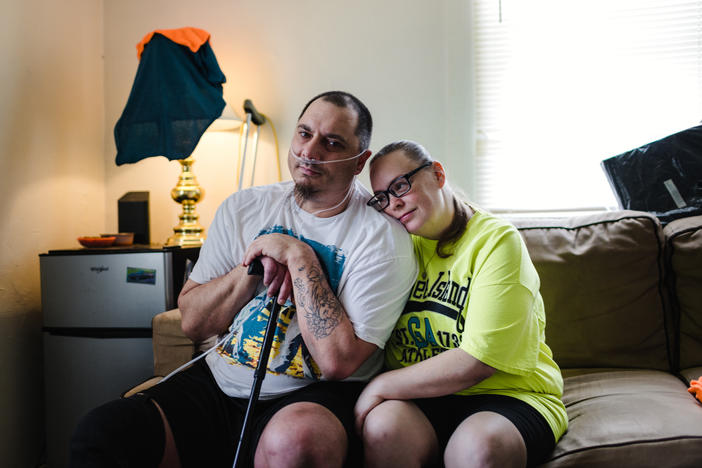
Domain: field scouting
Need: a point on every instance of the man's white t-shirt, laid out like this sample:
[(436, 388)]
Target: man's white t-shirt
[(368, 260)]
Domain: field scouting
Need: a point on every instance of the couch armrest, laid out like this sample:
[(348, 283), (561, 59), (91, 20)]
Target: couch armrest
[(171, 347)]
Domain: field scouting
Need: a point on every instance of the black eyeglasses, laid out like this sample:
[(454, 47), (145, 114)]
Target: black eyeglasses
[(397, 188)]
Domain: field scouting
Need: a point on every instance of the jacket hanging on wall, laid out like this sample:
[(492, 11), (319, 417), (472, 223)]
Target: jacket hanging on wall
[(176, 95)]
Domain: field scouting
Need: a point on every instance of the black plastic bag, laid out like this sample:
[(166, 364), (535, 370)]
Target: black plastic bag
[(663, 177)]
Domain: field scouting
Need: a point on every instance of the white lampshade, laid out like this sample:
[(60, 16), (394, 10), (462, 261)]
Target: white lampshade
[(227, 122)]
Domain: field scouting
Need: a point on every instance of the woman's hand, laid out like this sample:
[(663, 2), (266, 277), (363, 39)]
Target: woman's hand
[(443, 374), (370, 398)]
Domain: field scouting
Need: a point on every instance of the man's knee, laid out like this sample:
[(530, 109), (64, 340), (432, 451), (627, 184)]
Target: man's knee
[(303, 434), (124, 432)]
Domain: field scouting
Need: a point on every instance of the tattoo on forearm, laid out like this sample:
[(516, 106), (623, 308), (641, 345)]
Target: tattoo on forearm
[(321, 307)]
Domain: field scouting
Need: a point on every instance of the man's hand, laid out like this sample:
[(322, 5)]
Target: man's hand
[(280, 247), (275, 252), (276, 278)]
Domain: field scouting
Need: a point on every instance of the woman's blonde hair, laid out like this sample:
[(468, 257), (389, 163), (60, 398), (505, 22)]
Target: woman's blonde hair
[(417, 153)]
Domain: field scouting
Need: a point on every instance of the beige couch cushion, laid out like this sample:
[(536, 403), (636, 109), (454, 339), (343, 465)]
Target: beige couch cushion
[(601, 281), (684, 249), (624, 418)]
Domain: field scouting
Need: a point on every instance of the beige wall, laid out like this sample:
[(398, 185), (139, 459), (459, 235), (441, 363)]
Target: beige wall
[(52, 184), (406, 59), (68, 70)]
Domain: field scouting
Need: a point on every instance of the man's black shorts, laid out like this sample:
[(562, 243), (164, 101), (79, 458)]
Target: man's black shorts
[(206, 423)]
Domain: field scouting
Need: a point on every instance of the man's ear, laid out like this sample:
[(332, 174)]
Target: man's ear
[(360, 164), (439, 173)]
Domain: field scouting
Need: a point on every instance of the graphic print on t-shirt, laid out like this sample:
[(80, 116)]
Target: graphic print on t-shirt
[(433, 319), (289, 355)]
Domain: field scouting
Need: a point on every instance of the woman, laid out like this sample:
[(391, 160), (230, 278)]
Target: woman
[(471, 378)]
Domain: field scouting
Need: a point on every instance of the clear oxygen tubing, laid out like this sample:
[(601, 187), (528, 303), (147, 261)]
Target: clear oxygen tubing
[(216, 345), (307, 161), (346, 197)]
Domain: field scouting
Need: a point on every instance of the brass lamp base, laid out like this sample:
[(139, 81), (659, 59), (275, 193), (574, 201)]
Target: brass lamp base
[(188, 233)]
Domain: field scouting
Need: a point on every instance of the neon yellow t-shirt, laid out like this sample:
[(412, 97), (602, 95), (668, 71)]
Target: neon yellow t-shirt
[(485, 300)]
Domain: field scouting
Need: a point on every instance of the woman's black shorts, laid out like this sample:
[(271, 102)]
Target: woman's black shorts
[(446, 413)]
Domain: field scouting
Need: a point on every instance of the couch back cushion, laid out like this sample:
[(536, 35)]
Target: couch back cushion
[(684, 259), (602, 285)]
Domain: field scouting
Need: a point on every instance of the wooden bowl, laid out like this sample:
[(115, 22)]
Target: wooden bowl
[(88, 241), (122, 238)]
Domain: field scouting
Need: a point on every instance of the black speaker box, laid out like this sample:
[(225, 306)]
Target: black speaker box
[(133, 216)]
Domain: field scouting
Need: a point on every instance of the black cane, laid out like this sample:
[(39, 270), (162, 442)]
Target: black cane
[(255, 268)]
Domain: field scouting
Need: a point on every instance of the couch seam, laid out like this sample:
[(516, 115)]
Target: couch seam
[(665, 296), (623, 444), (595, 223), (674, 302), (672, 286)]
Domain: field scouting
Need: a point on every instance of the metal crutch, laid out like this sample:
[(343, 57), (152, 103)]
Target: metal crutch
[(255, 117), (255, 268)]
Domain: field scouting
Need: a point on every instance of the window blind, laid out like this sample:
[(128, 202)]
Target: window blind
[(563, 84)]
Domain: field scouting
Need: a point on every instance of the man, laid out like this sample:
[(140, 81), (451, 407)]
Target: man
[(343, 273)]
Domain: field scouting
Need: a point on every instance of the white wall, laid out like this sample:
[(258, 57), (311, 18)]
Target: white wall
[(51, 184), (406, 59)]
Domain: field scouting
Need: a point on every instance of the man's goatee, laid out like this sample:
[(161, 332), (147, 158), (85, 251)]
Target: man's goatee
[(304, 191)]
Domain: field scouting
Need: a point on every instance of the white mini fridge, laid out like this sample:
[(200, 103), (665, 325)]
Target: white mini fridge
[(97, 307)]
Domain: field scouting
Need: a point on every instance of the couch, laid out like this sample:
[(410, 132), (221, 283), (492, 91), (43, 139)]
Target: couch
[(623, 297)]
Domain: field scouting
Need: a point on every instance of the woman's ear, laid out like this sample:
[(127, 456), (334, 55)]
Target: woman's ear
[(439, 173)]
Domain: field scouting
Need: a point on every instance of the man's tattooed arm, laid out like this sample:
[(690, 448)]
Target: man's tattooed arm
[(321, 308), (325, 326)]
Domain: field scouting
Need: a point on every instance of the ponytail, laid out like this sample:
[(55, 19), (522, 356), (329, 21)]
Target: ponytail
[(455, 230)]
